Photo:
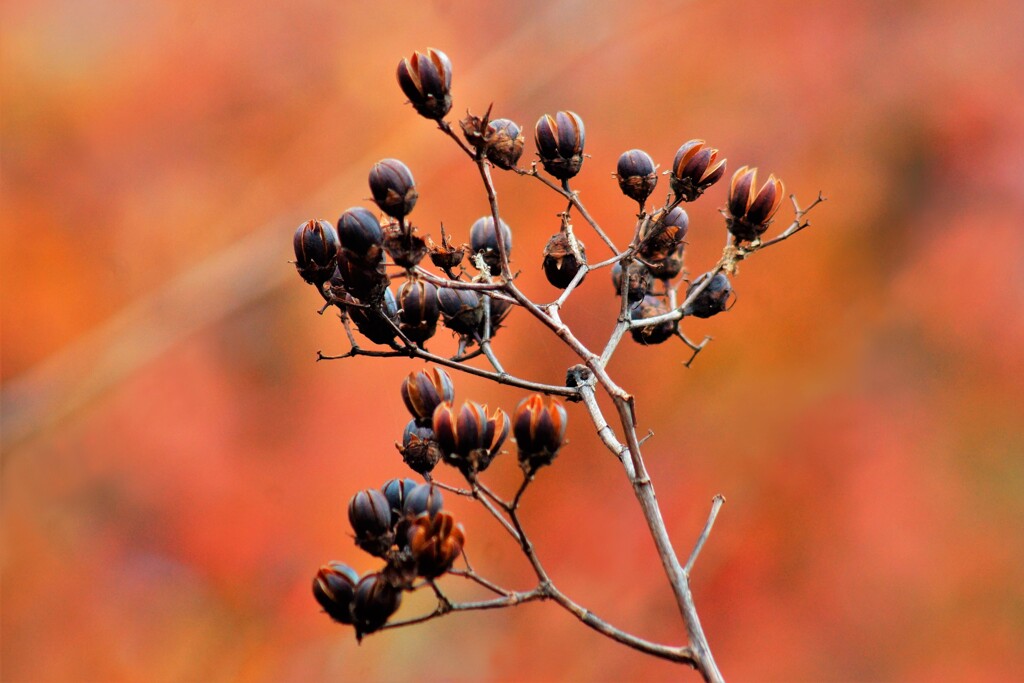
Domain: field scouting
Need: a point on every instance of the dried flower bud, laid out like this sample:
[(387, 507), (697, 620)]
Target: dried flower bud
[(695, 169), (469, 439), (503, 143), (445, 256), (419, 448), (484, 240), (374, 602), (436, 542), (750, 212), (360, 234), (377, 324), (423, 391), (652, 334), (638, 280), (461, 310), (426, 79), (712, 300), (393, 188), (370, 516), (423, 499), (559, 140), (564, 255), (636, 174), (539, 428), (396, 491), (316, 251), (334, 587), (417, 310)]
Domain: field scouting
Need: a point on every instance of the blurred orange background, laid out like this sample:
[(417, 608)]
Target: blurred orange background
[(176, 465)]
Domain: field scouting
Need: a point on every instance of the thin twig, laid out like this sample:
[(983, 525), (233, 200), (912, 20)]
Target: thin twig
[(716, 505)]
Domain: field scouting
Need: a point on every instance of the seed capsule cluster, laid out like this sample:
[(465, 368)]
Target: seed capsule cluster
[(354, 261), (405, 523)]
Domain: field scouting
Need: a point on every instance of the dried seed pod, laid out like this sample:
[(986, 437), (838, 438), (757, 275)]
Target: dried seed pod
[(461, 310), (393, 188), (417, 310), (638, 280), (538, 425), (636, 174), (695, 168), (503, 143), (316, 251), (469, 438), (405, 248), (652, 334), (374, 602), (435, 542), (426, 79), (378, 324), (445, 256), (396, 491), (361, 235), (484, 240), (564, 255), (423, 391), (419, 448), (334, 587), (423, 499), (662, 246), (559, 141), (750, 212), (712, 300), (370, 516)]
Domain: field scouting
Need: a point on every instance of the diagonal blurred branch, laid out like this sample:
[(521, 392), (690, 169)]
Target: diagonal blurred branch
[(57, 389)]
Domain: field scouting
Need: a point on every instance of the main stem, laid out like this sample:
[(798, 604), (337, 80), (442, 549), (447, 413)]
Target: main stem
[(634, 464)]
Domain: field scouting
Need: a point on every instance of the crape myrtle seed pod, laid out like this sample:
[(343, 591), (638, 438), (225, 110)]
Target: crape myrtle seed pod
[(316, 251), (417, 310), (423, 499), (396, 490), (483, 240), (426, 79), (393, 188), (370, 516), (469, 438), (662, 246), (377, 324), (445, 256), (361, 234), (503, 143), (667, 267), (559, 140), (423, 391), (435, 542), (695, 168), (636, 174), (419, 448), (638, 280), (713, 300), (334, 587), (564, 255), (538, 425), (750, 211), (374, 602), (652, 334), (461, 310), (404, 247)]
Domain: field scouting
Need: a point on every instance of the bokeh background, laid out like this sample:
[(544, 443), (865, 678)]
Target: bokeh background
[(176, 465)]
